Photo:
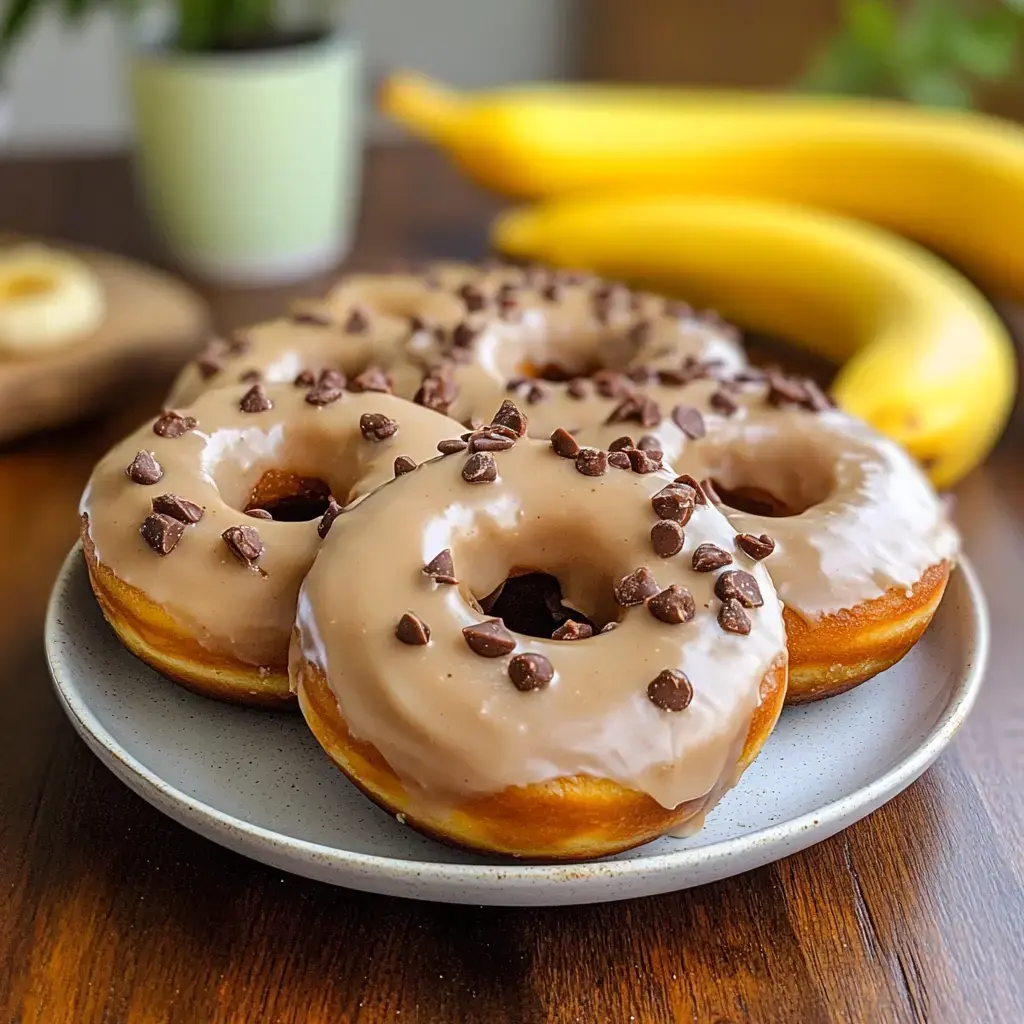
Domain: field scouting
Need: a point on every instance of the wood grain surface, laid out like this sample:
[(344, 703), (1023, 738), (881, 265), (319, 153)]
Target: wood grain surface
[(109, 912)]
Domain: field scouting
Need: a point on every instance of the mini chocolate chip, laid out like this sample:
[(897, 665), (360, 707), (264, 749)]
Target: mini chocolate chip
[(371, 379), (472, 297), (732, 618), (244, 543), (530, 672), (750, 375), (508, 415), (642, 462), (304, 379), (437, 392), (480, 469), (535, 393), (708, 487), (572, 630), (144, 469), (441, 568), (489, 639), (209, 366), (173, 424), (577, 388), (667, 538), (404, 464), (621, 444), (635, 588), (412, 631), (649, 443), (249, 376), (816, 400), (311, 317), (670, 691), (691, 482), (551, 292), (357, 322), (463, 335), (611, 384), (330, 378), (161, 532), (689, 420), (591, 462), (722, 402), (258, 513), (672, 378), (375, 426), (325, 393), (756, 547), (255, 400), (564, 444), (620, 460), (331, 513), (673, 605), (452, 446), (177, 507), (418, 324), (740, 585), (676, 502), (783, 390), (636, 408), (641, 374), (709, 557), (489, 441)]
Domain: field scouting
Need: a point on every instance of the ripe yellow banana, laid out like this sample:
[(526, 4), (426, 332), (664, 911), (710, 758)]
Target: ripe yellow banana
[(926, 360), (952, 181)]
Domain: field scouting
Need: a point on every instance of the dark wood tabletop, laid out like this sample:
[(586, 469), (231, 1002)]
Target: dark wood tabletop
[(110, 912)]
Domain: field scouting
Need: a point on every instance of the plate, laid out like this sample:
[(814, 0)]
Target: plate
[(258, 783)]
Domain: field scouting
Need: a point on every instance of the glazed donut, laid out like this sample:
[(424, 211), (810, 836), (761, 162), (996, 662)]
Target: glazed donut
[(661, 682), (198, 528), (459, 339), (856, 541)]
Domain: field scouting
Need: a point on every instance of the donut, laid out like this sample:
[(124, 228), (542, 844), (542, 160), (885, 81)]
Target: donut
[(198, 528), (855, 539), (621, 708), (460, 339)]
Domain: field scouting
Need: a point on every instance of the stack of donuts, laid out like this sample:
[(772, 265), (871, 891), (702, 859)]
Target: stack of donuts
[(539, 557)]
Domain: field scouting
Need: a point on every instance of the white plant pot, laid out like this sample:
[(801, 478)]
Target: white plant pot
[(250, 162)]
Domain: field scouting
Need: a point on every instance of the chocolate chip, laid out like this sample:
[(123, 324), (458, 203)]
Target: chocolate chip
[(177, 507), (577, 388), (331, 513), (635, 588), (418, 324), (173, 424), (689, 420), (709, 557), (498, 428), (452, 446), (404, 464), (620, 460), (311, 317), (375, 426), (591, 462), (611, 384), (740, 585), (209, 366), (436, 392), (572, 630), (667, 538), (649, 443), (530, 672), (441, 568), (472, 297), (249, 376), (412, 631), (244, 543), (732, 618), (489, 639), (641, 374), (672, 378), (258, 513), (551, 292), (508, 415), (371, 379), (564, 444), (489, 441), (636, 408), (816, 400), (463, 335), (722, 402), (357, 322), (304, 379), (673, 605), (161, 532), (144, 469), (255, 400), (326, 392), (676, 502), (698, 491), (480, 469), (330, 378), (670, 691), (621, 444), (783, 390), (642, 462), (756, 547)]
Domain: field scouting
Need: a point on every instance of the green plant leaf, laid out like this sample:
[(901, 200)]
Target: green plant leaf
[(937, 89), (15, 22), (987, 46), (872, 23), (847, 67)]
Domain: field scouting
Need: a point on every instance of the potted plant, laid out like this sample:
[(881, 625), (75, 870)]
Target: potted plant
[(247, 131)]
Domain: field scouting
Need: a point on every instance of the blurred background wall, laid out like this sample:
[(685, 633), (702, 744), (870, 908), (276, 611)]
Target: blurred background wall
[(67, 85)]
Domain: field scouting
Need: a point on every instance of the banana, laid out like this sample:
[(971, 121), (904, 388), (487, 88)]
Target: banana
[(953, 181), (926, 360), (47, 299)]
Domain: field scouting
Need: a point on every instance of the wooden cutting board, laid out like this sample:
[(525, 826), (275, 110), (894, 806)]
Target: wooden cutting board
[(152, 324)]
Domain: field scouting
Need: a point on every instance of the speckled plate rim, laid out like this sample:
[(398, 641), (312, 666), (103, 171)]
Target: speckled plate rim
[(523, 884)]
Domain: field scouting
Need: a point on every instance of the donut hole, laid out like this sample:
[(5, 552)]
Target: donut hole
[(289, 497), (531, 603)]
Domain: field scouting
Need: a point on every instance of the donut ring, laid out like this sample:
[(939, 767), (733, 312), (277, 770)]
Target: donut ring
[(859, 546), (210, 603), (518, 744), (459, 339)]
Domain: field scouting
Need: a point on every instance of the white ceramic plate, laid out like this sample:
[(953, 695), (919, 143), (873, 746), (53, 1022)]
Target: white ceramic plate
[(257, 782)]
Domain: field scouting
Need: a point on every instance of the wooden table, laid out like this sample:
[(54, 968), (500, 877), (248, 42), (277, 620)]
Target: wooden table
[(110, 912)]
